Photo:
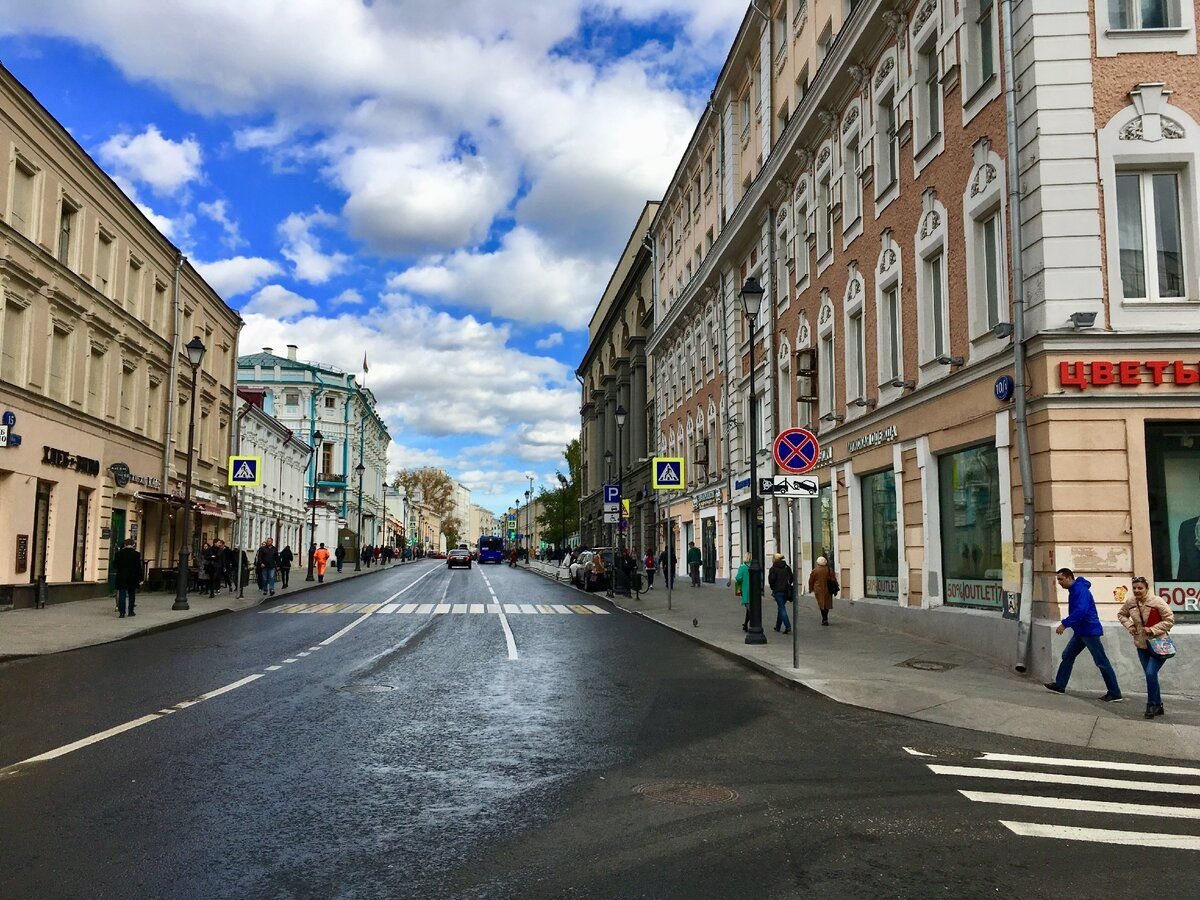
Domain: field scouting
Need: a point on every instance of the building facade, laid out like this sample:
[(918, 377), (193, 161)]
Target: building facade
[(96, 306), (276, 508), (614, 376), (855, 161), (308, 398)]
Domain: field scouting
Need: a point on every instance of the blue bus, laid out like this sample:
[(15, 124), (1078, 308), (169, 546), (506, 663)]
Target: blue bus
[(491, 549)]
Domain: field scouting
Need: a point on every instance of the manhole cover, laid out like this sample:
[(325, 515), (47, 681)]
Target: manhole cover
[(368, 688), (927, 665), (691, 793)]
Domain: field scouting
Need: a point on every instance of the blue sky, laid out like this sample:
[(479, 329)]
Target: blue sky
[(445, 187)]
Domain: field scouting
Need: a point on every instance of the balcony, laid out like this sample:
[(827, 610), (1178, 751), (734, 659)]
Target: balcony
[(331, 479)]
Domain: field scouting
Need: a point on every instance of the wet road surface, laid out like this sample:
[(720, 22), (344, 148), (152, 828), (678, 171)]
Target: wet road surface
[(308, 749)]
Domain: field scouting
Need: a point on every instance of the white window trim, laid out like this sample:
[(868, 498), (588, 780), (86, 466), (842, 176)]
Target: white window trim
[(785, 257), (853, 303), (885, 82), (803, 232), (1180, 40), (824, 173), (826, 372), (984, 197), (925, 35), (37, 177), (851, 134), (978, 92), (1146, 118), (889, 271), (929, 241)]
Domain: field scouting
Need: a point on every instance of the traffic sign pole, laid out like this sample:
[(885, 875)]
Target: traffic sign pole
[(793, 504)]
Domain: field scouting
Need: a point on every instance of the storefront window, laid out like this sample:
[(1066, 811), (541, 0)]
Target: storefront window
[(1173, 476), (970, 512), (821, 510), (79, 548), (41, 530), (880, 547)]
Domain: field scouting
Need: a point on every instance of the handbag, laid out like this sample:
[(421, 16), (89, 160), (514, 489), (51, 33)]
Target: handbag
[(834, 587), (1163, 646)]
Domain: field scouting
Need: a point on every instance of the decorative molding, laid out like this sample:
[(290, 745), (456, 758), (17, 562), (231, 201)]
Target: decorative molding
[(1132, 131), (885, 69), (930, 223), (886, 260), (782, 217), (923, 15), (826, 118), (984, 176), (859, 73), (804, 335), (823, 158), (826, 314), (1171, 129), (851, 118), (803, 159)]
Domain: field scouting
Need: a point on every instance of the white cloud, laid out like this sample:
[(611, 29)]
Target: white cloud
[(523, 280), (218, 211), (554, 339), (151, 159), (277, 302), (303, 248), (348, 297), (237, 275)]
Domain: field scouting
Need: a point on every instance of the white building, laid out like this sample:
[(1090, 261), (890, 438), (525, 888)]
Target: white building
[(275, 509)]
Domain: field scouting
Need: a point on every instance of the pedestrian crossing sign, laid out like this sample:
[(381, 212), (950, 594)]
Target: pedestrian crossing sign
[(668, 473), (245, 471)]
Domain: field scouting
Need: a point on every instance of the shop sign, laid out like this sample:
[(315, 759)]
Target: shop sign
[(974, 593), (741, 483), (704, 498), (1181, 595), (874, 439), (8, 437), (824, 458), (22, 553), (123, 476), (61, 459), (1127, 373), (883, 586)]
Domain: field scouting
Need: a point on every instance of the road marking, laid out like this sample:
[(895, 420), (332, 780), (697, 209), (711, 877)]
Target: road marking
[(1104, 836), (1087, 764), (511, 608), (1054, 778), (304, 653), (562, 609), (390, 608), (231, 687), (460, 608), (86, 742), (528, 608), (292, 660), (597, 610), (425, 608), (911, 752), (493, 607), (477, 607), (353, 607), (314, 649), (274, 668), (508, 635), (1100, 806), (543, 608), (408, 608), (441, 609), (372, 607), (582, 610)]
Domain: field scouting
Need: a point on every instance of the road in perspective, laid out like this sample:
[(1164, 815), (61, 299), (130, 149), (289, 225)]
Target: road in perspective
[(485, 732)]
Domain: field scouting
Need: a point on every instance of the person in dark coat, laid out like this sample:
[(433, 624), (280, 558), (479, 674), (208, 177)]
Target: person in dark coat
[(823, 584), (339, 555), (127, 576), (267, 561), (780, 579), (285, 563), (231, 564), (667, 562), (214, 566)]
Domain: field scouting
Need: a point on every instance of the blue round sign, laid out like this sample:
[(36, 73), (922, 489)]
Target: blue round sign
[(1004, 388)]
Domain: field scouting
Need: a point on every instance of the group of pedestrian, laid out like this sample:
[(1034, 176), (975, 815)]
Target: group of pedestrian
[(822, 584)]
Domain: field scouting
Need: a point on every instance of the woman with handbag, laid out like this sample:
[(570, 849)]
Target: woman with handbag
[(1148, 619), (823, 584)]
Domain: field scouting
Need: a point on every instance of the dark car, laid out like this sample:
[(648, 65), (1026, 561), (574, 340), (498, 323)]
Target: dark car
[(583, 576), (458, 558)]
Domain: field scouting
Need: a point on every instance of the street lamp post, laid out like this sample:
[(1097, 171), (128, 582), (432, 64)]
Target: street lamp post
[(195, 354), (528, 525), (360, 468), (562, 513), (620, 416), (752, 295), (312, 503)]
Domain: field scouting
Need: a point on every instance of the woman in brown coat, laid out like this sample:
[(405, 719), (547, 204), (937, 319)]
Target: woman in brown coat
[(1146, 616), (822, 583)]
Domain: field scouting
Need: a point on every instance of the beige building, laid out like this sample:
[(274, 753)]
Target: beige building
[(95, 307), (855, 161)]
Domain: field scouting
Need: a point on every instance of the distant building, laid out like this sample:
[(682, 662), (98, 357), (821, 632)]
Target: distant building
[(276, 508)]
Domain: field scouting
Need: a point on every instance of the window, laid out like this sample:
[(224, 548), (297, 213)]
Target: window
[(887, 147), (23, 204), (1151, 237), (824, 42), (984, 29), (291, 398), (826, 373), (857, 349), (801, 244), (102, 280), (153, 408), (68, 215), (929, 94), (881, 556), (890, 359), (1142, 14), (1173, 479), (331, 403), (128, 389), (824, 216), (821, 510), (79, 544), (133, 286), (851, 186), (12, 351), (98, 364), (969, 499), (40, 539), (158, 311), (59, 377), (990, 255), (801, 86), (744, 114), (326, 459), (935, 303)]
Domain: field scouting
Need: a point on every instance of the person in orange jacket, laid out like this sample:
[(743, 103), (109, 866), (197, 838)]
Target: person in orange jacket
[(322, 559)]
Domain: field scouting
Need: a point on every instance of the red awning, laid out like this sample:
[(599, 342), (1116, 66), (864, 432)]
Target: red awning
[(213, 511)]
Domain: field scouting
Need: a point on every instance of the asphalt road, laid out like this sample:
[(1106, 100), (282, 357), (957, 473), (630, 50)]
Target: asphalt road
[(406, 754)]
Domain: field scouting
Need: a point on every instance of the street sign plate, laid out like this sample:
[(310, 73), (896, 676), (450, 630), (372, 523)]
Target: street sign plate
[(611, 518), (612, 507), (668, 474), (3, 435), (802, 486), (612, 493), (796, 450), (245, 471)]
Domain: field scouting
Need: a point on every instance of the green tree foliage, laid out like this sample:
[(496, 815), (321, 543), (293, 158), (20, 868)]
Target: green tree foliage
[(430, 487), (560, 506), (452, 527)]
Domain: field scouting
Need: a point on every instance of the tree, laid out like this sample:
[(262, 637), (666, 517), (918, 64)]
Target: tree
[(560, 506), (452, 529), (435, 487)]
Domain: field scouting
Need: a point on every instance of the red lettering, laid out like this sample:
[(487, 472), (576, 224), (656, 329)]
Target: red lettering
[(1070, 374), (1158, 368), (1103, 372), (1129, 372), (1184, 375)]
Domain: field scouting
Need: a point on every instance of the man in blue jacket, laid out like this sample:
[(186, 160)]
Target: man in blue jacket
[(1086, 630)]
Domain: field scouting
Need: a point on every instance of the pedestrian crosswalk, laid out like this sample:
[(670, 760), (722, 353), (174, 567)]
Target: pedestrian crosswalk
[(424, 609), (1124, 803)]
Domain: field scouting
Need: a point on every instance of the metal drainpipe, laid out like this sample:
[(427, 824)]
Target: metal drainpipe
[(729, 567), (169, 443), (772, 366), (1025, 463)]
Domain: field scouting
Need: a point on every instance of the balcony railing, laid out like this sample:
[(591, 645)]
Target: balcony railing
[(330, 478)]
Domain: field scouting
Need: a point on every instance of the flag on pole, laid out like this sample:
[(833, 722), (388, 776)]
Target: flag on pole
[(365, 369)]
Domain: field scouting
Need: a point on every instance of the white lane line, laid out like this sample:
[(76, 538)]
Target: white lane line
[(1087, 764), (1100, 806), (231, 687), (1105, 836), (88, 741), (314, 649), (911, 752), (304, 653), (508, 635), (333, 637), (596, 609), (274, 668), (1119, 784), (292, 660)]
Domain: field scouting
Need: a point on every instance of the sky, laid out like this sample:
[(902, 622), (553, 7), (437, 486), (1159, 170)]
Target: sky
[(444, 187)]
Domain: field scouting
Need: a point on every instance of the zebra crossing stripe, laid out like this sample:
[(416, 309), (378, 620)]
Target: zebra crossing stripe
[(459, 608), (597, 610), (561, 609), (409, 608), (493, 607), (442, 609), (371, 607), (511, 608), (582, 610), (389, 608), (1088, 764), (528, 608), (1054, 778), (543, 608), (1098, 806), (549, 609), (477, 607), (1104, 836), (425, 608), (353, 608)]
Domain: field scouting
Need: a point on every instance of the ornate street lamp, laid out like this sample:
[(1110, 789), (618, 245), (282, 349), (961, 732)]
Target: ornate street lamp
[(195, 355), (312, 503), (752, 295), (360, 468), (620, 416)]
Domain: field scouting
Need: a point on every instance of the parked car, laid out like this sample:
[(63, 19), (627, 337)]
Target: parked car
[(458, 558), (581, 570)]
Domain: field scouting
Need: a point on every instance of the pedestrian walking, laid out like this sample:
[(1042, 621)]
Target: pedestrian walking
[(321, 558), (1086, 630), (667, 561), (230, 564), (200, 561), (823, 584), (651, 566), (693, 563), (285, 563), (741, 587), (781, 582), (268, 562), (214, 566), (339, 556), (1148, 619), (127, 576)]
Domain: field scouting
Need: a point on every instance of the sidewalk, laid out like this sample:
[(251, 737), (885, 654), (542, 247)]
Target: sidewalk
[(862, 665), (83, 623)]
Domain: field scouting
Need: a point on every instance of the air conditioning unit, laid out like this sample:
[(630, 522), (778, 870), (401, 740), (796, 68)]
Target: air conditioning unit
[(700, 455)]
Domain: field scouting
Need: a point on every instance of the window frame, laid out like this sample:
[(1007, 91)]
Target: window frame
[(1150, 233)]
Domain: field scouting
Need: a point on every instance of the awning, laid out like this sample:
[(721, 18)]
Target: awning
[(157, 497), (213, 511)]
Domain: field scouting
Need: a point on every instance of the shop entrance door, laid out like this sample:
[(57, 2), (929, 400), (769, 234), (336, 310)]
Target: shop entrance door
[(708, 542), (117, 536)]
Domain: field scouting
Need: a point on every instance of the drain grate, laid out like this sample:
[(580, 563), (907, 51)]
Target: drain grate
[(927, 665), (689, 793), (367, 688)]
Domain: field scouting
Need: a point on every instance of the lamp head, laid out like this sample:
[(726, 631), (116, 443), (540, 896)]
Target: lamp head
[(752, 295), (608, 456), (1083, 319), (950, 360), (621, 415), (195, 351), (1001, 330), (360, 468), (902, 384)]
